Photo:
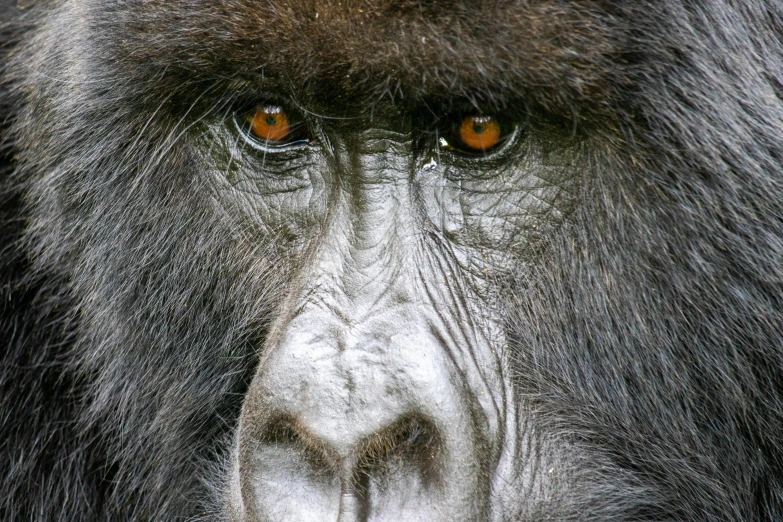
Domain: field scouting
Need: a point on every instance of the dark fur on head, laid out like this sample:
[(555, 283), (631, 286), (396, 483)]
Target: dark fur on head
[(650, 334)]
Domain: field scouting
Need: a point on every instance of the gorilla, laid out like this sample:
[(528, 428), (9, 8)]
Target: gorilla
[(391, 260)]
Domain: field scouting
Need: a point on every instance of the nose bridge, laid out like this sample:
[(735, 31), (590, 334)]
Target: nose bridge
[(371, 234), (377, 196), (359, 306)]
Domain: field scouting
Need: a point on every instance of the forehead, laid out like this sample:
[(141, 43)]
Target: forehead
[(547, 49)]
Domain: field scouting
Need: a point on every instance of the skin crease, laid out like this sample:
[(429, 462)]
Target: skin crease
[(357, 310)]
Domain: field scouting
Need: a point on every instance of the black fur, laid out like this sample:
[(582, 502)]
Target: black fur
[(649, 332)]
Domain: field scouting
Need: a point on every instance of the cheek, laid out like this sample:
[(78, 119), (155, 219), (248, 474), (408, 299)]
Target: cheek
[(281, 198), (509, 209)]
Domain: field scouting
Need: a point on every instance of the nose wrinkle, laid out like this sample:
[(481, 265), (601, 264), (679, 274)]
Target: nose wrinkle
[(368, 244), (345, 384)]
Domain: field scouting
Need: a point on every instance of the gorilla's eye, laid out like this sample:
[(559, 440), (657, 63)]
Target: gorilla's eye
[(270, 123), (476, 133), (480, 132), (271, 128)]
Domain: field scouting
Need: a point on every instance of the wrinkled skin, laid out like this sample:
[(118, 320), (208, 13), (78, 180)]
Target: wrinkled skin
[(370, 320), (385, 387)]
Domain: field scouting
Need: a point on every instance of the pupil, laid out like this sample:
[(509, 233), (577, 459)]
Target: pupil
[(478, 129), (271, 120)]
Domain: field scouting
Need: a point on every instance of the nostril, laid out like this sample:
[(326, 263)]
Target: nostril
[(409, 448), (393, 469), (283, 434), (316, 462), (412, 444)]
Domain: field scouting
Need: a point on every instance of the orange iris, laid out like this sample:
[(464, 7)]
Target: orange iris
[(270, 123), (480, 132)]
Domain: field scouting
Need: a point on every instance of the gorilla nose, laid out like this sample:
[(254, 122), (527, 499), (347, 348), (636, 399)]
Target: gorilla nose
[(363, 428)]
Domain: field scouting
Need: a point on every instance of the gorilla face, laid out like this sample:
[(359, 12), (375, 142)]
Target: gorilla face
[(425, 261), (384, 384)]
